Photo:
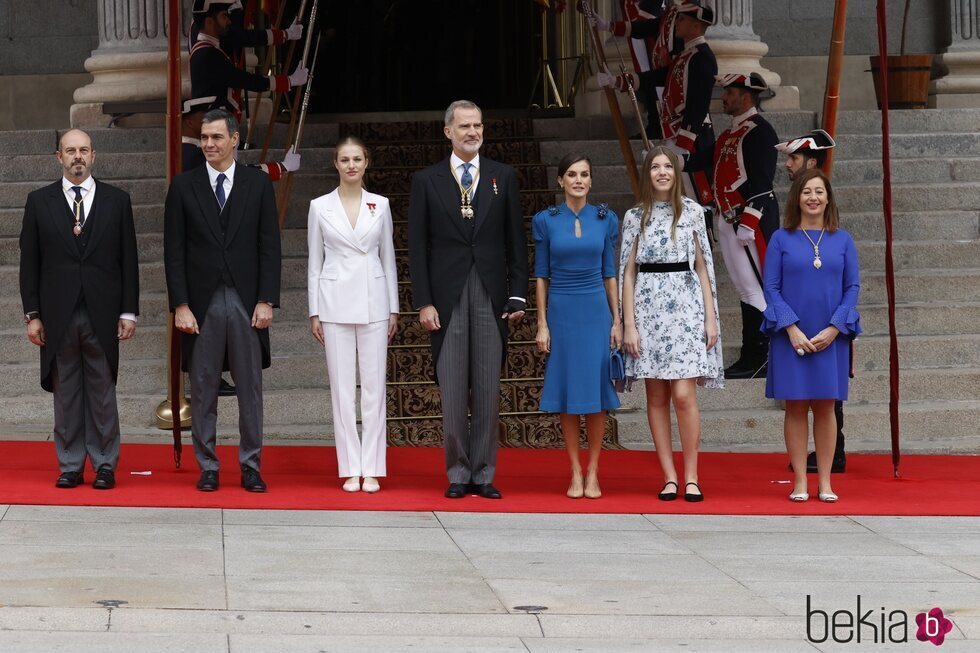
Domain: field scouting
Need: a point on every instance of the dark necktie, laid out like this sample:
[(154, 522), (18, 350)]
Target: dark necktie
[(219, 191), (79, 211), (467, 178)]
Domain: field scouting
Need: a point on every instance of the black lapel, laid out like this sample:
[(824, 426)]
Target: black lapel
[(484, 193), (58, 205), (205, 198), (237, 200), (95, 226), (445, 183)]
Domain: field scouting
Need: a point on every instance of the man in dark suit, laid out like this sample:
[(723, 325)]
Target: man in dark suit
[(79, 282), (468, 263), (223, 264)]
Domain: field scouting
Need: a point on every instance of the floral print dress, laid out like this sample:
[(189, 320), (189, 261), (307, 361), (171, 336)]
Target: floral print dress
[(669, 306)]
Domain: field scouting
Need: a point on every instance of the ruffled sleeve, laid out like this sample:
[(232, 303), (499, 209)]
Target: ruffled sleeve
[(542, 246), (846, 318), (778, 314), (609, 248)]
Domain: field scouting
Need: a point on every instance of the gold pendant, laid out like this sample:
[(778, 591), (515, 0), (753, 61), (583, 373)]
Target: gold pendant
[(817, 263), (578, 228), (467, 211), (77, 229)]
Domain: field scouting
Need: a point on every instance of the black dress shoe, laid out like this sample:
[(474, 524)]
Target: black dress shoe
[(251, 480), (69, 480), (208, 481), (456, 491), (226, 389), (105, 479), (485, 490)]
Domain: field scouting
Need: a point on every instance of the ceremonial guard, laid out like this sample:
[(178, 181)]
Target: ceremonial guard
[(744, 164), (806, 153), (213, 72), (687, 94), (649, 26)]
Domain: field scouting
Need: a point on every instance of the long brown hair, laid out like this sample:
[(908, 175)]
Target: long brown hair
[(646, 188), (350, 139), (794, 216)]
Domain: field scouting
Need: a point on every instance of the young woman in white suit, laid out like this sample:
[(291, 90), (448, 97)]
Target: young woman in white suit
[(353, 296)]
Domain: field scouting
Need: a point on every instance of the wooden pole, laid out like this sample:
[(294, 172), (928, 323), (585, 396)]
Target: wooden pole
[(266, 70), (287, 189), (277, 97), (614, 112), (834, 63), (174, 377)]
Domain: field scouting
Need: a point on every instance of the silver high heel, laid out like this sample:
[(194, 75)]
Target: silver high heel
[(799, 497), (827, 497)]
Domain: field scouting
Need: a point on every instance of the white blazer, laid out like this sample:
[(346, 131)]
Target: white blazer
[(352, 274)]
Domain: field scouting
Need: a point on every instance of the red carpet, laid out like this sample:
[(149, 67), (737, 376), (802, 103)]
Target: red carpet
[(304, 478)]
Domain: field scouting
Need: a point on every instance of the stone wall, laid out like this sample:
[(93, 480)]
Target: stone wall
[(793, 28), (47, 36)]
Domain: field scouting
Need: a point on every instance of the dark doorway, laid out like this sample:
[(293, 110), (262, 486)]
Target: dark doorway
[(407, 55)]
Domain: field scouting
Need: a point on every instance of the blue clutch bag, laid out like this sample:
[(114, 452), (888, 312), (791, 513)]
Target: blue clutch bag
[(617, 370)]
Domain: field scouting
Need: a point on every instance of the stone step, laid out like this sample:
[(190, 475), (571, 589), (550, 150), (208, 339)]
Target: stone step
[(947, 422), (924, 121)]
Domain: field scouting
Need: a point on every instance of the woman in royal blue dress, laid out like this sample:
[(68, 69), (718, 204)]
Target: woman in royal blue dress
[(578, 315), (811, 286)]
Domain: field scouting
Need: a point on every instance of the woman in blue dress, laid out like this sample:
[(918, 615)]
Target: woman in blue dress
[(578, 315), (811, 286)]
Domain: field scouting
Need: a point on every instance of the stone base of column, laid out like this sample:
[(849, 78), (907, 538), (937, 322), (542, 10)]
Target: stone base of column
[(745, 56), (959, 88)]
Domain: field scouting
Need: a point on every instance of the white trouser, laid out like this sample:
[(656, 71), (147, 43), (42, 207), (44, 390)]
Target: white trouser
[(738, 264), (364, 348)]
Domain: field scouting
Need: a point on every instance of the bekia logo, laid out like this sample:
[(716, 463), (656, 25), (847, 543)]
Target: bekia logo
[(933, 626), (873, 626)]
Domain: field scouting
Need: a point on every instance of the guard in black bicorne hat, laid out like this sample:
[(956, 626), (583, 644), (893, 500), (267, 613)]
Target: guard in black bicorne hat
[(743, 167), (214, 70)]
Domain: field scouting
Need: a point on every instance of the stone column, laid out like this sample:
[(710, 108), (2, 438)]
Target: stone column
[(959, 85), (130, 63), (740, 50)]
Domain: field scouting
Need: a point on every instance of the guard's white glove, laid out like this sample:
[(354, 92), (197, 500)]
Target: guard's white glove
[(605, 80), (299, 77), (599, 23), (292, 160), (745, 235), (295, 31)]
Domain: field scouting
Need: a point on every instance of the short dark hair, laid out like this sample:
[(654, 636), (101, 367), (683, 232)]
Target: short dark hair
[(820, 156), (214, 115), (571, 159)]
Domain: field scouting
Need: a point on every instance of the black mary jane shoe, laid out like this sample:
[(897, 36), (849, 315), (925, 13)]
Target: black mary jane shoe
[(693, 498), (668, 496)]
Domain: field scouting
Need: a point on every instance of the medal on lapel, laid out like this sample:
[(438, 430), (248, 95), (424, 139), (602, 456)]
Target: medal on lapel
[(371, 206), (494, 182)]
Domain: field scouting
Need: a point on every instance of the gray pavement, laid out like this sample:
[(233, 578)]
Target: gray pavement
[(248, 581)]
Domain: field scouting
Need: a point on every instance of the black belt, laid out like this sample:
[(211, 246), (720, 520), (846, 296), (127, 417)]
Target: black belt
[(664, 267)]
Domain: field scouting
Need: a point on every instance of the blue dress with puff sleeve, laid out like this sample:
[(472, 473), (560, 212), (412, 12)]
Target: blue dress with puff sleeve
[(576, 377), (813, 299)]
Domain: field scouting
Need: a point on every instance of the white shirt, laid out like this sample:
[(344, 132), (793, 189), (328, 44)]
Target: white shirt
[(229, 179), (739, 119), (88, 198), (457, 164), (88, 194)]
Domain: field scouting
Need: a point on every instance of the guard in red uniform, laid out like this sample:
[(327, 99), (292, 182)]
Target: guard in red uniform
[(649, 28), (213, 71), (744, 165)]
